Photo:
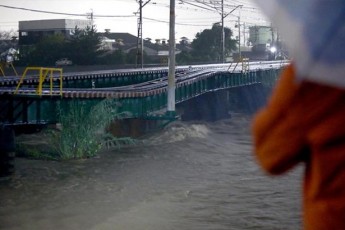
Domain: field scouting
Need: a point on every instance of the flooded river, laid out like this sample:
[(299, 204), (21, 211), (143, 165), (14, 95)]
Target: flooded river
[(190, 176)]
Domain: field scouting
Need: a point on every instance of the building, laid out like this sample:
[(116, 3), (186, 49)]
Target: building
[(261, 37), (31, 32), (158, 51)]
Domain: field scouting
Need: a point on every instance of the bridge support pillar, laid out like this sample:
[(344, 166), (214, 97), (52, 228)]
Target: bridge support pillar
[(7, 151)]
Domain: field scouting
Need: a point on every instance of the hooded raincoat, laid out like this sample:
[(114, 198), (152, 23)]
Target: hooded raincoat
[(304, 122)]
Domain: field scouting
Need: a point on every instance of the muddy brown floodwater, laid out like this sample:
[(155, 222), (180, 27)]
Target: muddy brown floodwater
[(189, 176)]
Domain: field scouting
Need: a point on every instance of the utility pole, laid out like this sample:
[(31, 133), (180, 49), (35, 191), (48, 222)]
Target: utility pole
[(223, 34), (171, 74), (140, 43), (140, 36), (239, 38), (272, 34), (90, 16), (244, 34)]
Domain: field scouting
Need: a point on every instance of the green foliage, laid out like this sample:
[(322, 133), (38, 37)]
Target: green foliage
[(45, 52), (84, 46), (82, 133), (83, 128), (184, 58), (207, 44), (116, 58), (37, 145), (50, 49), (7, 35), (131, 57)]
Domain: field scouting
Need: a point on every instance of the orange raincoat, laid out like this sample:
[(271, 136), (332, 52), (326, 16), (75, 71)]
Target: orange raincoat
[(305, 122)]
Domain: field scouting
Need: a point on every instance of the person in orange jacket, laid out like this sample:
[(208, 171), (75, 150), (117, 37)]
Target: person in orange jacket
[(304, 122)]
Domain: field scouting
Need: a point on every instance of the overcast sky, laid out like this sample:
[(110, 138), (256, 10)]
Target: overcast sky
[(191, 17)]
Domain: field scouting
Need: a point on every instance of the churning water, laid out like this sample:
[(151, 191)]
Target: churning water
[(190, 176)]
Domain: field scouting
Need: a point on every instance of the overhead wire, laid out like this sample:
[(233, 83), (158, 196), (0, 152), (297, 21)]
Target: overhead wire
[(62, 13), (94, 15), (208, 8), (187, 5)]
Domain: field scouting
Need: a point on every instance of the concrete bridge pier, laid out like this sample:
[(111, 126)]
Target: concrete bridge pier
[(7, 151)]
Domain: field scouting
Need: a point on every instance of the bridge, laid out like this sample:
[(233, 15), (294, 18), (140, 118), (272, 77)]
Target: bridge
[(36, 99), (42, 96)]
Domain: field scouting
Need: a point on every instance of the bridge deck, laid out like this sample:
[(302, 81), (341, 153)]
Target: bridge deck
[(139, 92)]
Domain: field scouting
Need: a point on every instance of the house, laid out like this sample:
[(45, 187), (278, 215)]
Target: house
[(119, 41), (158, 51)]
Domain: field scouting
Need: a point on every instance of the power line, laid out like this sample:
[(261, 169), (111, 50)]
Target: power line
[(206, 7), (202, 7), (177, 23), (68, 14), (112, 16)]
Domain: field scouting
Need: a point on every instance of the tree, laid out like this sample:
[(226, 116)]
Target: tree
[(84, 46), (49, 49), (45, 52), (184, 58), (207, 45), (118, 57), (7, 35), (131, 57), (8, 39)]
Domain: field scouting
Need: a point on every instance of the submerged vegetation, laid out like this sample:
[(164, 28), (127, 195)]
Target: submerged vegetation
[(82, 133)]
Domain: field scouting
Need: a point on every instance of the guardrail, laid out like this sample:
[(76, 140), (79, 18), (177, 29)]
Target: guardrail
[(2, 72), (245, 65), (43, 73), (6, 65)]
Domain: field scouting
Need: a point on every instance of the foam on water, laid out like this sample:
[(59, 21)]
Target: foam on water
[(179, 131)]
